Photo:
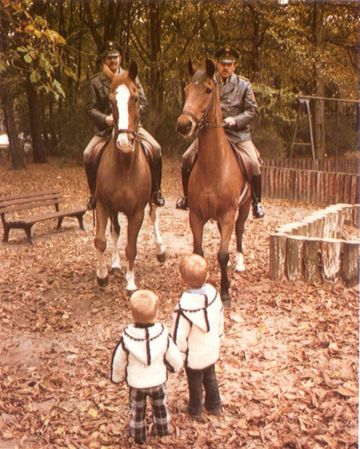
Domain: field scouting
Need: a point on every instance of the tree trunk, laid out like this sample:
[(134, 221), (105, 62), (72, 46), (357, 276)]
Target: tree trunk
[(156, 98), (319, 108), (16, 150), (35, 124)]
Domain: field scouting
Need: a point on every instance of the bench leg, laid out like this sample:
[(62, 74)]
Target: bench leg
[(28, 234), (81, 222), (6, 234), (60, 219)]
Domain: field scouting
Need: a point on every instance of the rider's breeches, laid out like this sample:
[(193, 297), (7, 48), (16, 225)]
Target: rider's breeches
[(90, 146), (246, 147), (145, 135), (189, 156), (249, 149)]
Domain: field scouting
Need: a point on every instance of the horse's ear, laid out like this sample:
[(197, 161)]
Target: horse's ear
[(133, 70), (210, 68), (190, 68), (108, 73)]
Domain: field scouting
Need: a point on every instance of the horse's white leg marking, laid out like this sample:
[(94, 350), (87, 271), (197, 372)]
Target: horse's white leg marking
[(240, 266), (115, 263), (101, 270), (130, 279), (154, 215)]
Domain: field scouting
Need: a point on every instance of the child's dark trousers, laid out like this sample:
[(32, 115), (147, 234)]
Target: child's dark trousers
[(197, 378)]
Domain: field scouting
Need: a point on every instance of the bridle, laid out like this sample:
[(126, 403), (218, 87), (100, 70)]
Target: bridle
[(132, 132), (203, 121)]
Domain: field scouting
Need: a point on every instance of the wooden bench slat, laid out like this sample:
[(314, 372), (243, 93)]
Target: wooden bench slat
[(62, 213), (29, 195), (18, 208), (54, 198)]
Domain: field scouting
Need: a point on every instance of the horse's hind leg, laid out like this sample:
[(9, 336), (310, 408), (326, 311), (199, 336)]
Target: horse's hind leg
[(239, 231), (100, 244), (115, 233), (160, 247), (134, 225)]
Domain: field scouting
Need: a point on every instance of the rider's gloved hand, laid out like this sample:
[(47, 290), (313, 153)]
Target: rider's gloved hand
[(229, 122)]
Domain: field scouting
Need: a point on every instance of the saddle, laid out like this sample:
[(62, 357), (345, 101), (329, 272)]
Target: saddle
[(243, 160), (99, 148)]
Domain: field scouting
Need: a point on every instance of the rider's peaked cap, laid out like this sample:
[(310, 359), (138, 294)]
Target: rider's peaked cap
[(227, 54), (111, 48)]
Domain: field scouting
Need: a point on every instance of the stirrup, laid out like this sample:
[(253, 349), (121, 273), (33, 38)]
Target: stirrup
[(182, 203), (91, 205), (158, 199), (258, 210)]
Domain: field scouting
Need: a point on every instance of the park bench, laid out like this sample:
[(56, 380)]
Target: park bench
[(11, 208)]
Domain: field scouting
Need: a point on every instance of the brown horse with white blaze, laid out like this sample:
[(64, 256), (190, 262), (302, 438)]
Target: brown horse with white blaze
[(217, 188), (123, 182)]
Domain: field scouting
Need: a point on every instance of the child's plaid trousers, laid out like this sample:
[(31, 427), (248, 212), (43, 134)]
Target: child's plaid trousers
[(138, 412)]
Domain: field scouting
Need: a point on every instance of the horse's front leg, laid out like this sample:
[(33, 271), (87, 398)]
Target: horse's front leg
[(239, 231), (100, 244), (197, 229), (134, 225), (115, 233), (160, 247), (226, 226)]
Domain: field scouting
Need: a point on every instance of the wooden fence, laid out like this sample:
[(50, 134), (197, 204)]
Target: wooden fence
[(310, 250), (317, 187), (337, 165)]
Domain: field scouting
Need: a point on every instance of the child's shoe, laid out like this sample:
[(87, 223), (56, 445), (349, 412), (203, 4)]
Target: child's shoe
[(215, 411), (198, 416)]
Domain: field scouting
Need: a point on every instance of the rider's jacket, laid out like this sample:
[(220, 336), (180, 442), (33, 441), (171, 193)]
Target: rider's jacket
[(238, 101), (98, 104)]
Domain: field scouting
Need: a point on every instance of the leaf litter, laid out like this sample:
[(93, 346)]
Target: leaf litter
[(289, 360)]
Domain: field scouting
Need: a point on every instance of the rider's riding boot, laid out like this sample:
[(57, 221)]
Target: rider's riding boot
[(156, 174), (91, 172), (182, 203), (258, 210)]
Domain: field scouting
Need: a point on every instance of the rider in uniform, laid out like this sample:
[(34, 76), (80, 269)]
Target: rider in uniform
[(99, 110), (239, 109)]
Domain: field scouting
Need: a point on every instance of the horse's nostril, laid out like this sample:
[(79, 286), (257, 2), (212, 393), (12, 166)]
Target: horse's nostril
[(184, 127)]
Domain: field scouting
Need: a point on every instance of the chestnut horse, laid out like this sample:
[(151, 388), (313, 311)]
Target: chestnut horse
[(217, 188), (123, 182)]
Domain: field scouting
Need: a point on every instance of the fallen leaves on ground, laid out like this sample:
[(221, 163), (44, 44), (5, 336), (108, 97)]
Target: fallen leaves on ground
[(288, 368)]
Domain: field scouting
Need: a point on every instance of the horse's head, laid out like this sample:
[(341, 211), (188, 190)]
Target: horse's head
[(199, 99), (124, 99)]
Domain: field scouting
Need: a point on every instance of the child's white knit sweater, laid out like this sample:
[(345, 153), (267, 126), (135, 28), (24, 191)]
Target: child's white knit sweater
[(143, 355), (198, 326)]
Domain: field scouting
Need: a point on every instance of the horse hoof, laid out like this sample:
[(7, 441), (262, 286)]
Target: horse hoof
[(115, 270), (103, 282), (225, 298), (130, 292), (161, 257), (240, 268)]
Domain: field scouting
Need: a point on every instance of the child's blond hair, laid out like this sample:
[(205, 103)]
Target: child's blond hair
[(144, 306), (194, 270)]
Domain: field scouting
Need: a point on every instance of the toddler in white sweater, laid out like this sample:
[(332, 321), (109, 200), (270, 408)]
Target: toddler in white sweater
[(142, 358), (198, 326)]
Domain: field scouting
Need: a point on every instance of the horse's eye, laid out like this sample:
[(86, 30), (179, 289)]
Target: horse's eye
[(208, 90)]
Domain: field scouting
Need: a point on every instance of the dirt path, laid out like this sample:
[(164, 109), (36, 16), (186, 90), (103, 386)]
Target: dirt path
[(288, 371)]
